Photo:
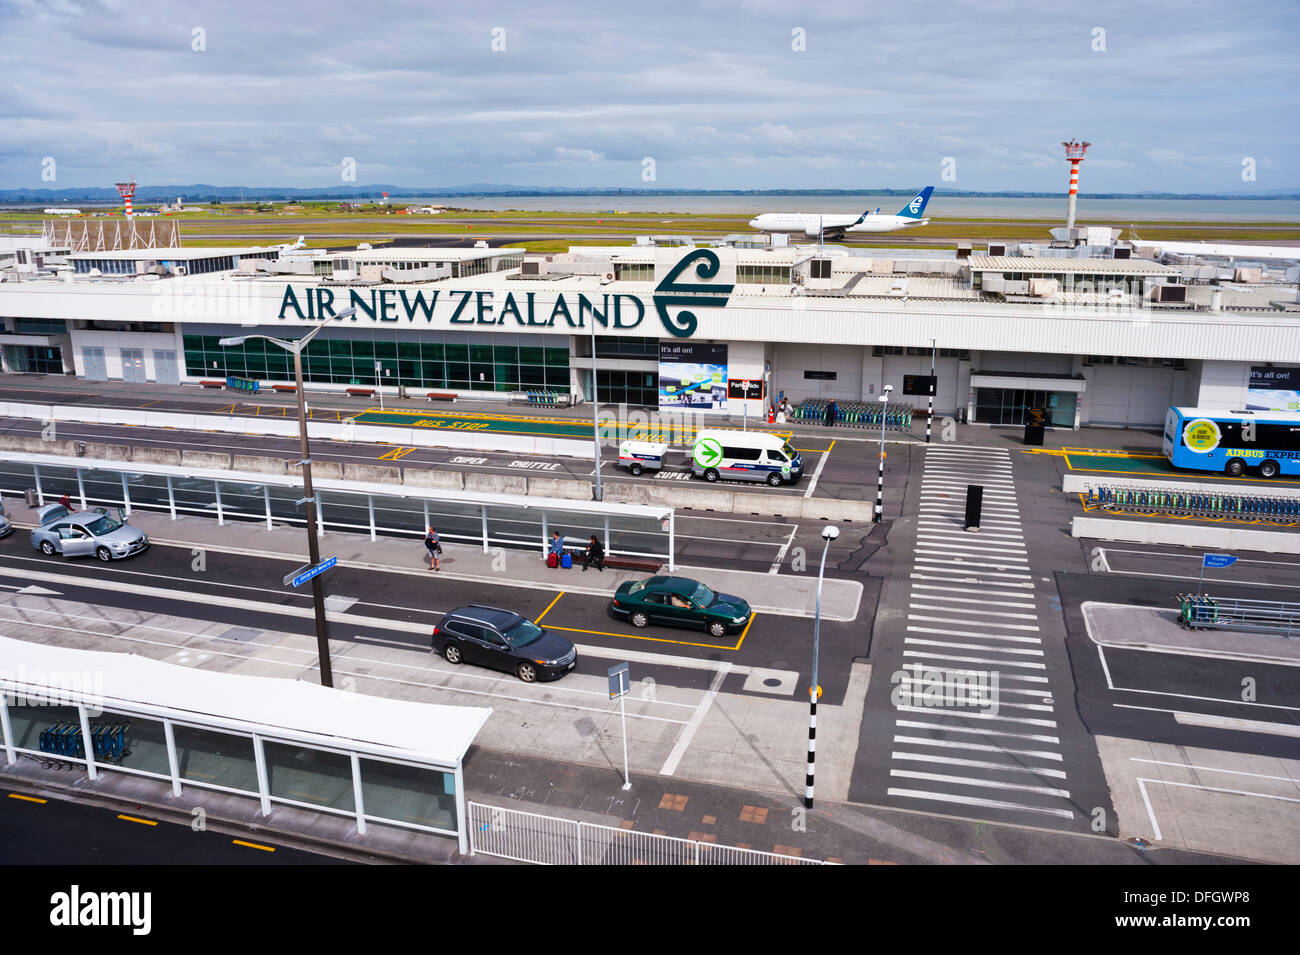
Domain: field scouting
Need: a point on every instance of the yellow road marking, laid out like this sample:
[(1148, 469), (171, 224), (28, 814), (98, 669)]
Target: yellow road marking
[(642, 431), (252, 845), (27, 798), (745, 632), (148, 403), (637, 636), (143, 822), (549, 606), (395, 454)]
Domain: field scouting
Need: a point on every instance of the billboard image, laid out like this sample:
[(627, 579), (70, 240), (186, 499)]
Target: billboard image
[(692, 376), (1273, 389)]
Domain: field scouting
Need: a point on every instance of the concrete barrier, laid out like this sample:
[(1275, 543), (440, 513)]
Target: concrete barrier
[(744, 502), (74, 413), (214, 460), (108, 452), (374, 473), (829, 509), (259, 464), (1200, 536), (496, 483), (1081, 483), (169, 456), (330, 470), (39, 445), (434, 477), (559, 488), (700, 499)]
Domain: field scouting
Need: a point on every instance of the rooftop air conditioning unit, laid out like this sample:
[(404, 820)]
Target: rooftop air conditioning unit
[(1171, 293), (997, 249)]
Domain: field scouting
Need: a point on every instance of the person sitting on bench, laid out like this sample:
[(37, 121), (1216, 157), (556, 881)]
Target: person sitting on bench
[(595, 554)]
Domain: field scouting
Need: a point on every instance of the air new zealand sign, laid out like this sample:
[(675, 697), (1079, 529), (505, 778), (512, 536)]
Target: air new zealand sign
[(446, 307)]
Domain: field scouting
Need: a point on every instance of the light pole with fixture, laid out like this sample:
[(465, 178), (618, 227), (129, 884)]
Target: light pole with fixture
[(880, 472), (309, 496), (829, 533), (597, 493)]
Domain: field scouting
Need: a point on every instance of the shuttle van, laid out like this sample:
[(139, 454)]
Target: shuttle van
[(745, 456)]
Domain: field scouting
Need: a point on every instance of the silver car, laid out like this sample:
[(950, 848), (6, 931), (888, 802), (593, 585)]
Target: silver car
[(6, 528), (78, 533)]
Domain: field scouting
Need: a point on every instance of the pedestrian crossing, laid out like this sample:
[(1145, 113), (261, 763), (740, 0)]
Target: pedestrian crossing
[(975, 728)]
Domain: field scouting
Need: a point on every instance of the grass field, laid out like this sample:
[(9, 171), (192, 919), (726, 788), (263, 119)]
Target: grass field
[(552, 231)]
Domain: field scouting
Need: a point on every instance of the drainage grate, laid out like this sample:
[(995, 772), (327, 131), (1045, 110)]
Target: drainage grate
[(240, 634)]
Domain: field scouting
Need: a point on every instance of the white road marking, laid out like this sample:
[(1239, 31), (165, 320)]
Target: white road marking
[(948, 656), (979, 747), (978, 731), (975, 623), (780, 555), (982, 613), (817, 472), (982, 803), (688, 733), (978, 763), (988, 783)]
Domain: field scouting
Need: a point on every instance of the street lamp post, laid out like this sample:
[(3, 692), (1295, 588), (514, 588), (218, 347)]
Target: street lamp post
[(880, 471), (309, 494), (829, 533), (930, 416)]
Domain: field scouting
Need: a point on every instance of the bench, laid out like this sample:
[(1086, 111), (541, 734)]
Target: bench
[(361, 392), (285, 388), (440, 396), (647, 564), (212, 384)]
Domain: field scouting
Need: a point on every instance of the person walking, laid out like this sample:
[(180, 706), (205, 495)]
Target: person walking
[(595, 555), (434, 547)]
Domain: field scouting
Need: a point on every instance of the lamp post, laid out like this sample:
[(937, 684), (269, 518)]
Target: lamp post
[(880, 472), (829, 533), (930, 415), (309, 495)]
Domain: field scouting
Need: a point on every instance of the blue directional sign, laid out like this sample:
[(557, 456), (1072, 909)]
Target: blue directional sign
[(307, 573), (1218, 560)]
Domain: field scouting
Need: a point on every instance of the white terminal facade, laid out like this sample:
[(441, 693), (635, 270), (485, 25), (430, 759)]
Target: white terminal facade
[(1096, 332)]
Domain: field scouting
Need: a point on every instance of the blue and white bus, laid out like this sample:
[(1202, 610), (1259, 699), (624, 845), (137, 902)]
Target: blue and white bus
[(1205, 439)]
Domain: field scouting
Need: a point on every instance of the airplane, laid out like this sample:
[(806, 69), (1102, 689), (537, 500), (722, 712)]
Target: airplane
[(835, 225)]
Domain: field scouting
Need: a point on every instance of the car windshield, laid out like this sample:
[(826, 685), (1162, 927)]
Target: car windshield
[(637, 587), (702, 596), (523, 633), (105, 525), (788, 451)]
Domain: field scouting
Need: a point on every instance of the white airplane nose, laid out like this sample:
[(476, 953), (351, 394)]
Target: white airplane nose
[(753, 223)]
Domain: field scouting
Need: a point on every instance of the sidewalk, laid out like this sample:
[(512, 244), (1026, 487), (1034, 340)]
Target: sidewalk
[(979, 435), (780, 594)]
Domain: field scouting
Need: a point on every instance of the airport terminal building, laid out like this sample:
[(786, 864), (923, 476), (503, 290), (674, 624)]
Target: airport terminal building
[(1096, 332)]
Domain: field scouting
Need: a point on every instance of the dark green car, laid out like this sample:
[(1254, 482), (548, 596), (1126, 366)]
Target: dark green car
[(679, 602)]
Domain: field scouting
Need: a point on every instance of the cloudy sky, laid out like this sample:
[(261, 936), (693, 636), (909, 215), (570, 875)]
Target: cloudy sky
[(763, 94)]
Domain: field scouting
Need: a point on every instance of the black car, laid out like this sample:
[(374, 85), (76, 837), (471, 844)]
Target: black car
[(503, 640)]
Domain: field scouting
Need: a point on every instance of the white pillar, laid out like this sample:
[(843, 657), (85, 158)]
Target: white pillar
[(266, 497), (485, 529), (7, 730), (263, 781), (40, 492), (221, 514), (126, 495), (370, 509), (86, 739), (172, 763), (357, 796), (171, 498), (81, 489), (462, 816)]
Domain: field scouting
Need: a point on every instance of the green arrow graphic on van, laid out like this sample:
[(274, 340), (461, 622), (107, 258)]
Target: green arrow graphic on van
[(708, 452)]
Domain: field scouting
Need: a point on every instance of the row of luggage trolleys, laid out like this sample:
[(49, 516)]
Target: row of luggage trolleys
[(1203, 612), (1195, 503), (857, 414), (108, 740)]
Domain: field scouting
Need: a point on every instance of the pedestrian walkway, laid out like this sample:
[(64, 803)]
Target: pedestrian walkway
[(975, 729)]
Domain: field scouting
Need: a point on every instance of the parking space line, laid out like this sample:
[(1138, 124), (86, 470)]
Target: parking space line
[(143, 822), (27, 798), (657, 639), (688, 732), (252, 845), (550, 605)]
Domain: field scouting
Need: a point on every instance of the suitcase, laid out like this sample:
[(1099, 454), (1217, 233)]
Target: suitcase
[(566, 561), (552, 560)]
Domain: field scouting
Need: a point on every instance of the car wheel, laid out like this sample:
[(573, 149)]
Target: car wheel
[(711, 474), (104, 554), (1235, 467), (774, 479), (1269, 469), (527, 672), (451, 653), (638, 619), (47, 548), (636, 470), (717, 629)]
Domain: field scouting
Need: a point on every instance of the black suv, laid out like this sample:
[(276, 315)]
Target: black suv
[(503, 640)]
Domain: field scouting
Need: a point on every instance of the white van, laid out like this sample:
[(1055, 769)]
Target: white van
[(745, 456)]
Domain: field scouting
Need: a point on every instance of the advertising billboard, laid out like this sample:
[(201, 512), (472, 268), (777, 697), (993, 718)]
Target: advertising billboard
[(692, 376), (1273, 388)]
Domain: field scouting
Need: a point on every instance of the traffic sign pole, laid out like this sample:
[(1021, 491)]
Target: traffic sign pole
[(619, 682)]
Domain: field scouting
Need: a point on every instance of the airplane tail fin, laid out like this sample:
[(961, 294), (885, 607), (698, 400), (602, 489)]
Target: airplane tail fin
[(915, 208)]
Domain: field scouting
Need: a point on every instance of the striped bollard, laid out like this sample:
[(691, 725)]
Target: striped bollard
[(812, 748)]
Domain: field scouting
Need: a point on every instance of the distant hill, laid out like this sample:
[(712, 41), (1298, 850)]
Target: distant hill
[(203, 192)]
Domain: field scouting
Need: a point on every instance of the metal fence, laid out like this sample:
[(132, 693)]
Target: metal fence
[(550, 840), (1268, 507), (517, 521)]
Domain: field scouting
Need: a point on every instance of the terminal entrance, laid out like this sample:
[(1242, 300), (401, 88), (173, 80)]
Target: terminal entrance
[(34, 359), (1010, 406)]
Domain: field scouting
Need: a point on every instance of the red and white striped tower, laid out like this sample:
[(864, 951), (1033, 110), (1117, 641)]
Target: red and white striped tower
[(1074, 152), (127, 191)]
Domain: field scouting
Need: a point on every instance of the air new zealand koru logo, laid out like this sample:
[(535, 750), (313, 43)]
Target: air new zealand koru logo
[(668, 293)]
